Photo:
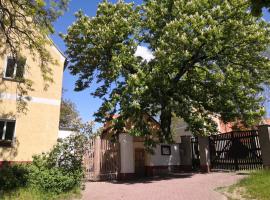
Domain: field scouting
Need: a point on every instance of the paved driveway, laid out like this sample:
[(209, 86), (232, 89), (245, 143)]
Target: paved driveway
[(177, 187)]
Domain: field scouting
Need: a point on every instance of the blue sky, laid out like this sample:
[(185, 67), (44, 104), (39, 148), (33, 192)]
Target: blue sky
[(85, 103)]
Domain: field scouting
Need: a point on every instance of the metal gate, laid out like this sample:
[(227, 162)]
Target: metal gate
[(238, 150), (102, 160)]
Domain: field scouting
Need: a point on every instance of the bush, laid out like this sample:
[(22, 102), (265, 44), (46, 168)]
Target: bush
[(52, 180), (57, 171), (61, 169), (13, 176)]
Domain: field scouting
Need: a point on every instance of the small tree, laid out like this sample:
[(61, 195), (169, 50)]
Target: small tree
[(69, 115), (70, 118)]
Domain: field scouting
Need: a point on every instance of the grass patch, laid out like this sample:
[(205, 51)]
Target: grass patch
[(29, 193), (257, 185)]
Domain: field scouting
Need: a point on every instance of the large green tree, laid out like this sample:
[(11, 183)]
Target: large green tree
[(207, 62)]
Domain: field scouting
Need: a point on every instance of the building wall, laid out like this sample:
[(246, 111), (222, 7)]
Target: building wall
[(34, 74), (126, 151), (62, 134), (156, 164), (157, 159), (178, 128), (37, 130)]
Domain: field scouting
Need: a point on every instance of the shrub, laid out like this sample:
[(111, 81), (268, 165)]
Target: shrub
[(52, 180), (61, 169), (13, 176), (57, 171)]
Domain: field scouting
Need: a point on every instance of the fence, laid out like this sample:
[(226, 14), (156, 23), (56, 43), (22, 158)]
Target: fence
[(102, 159), (89, 160), (239, 150)]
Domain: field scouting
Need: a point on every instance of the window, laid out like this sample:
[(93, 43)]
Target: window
[(7, 129), (166, 150), (14, 68)]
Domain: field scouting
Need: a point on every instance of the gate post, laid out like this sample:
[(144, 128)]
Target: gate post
[(97, 158), (205, 161), (264, 137), (185, 153), (127, 156)]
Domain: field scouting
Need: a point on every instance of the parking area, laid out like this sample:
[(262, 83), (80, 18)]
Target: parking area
[(175, 187)]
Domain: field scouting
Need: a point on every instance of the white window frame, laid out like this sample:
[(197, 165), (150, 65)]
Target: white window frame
[(15, 68), (5, 129)]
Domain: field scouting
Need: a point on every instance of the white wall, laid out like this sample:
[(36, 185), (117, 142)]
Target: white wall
[(179, 129), (127, 153), (163, 160), (62, 134)]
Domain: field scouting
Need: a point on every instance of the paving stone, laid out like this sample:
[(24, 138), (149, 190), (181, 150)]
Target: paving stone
[(176, 187)]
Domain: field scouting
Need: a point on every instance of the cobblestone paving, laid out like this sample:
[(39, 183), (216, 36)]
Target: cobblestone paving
[(176, 187)]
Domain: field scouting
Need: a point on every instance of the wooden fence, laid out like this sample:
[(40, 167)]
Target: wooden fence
[(238, 150), (102, 160)]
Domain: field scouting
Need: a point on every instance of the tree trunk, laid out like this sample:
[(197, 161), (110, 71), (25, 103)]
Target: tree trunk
[(165, 119)]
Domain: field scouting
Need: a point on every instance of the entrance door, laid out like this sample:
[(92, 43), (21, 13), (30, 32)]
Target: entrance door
[(139, 162)]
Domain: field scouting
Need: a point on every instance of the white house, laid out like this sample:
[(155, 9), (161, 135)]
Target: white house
[(135, 161)]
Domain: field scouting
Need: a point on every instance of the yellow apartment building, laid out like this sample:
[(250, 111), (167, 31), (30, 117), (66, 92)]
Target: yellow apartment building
[(24, 135)]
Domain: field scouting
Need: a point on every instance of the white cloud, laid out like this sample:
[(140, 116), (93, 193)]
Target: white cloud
[(144, 52)]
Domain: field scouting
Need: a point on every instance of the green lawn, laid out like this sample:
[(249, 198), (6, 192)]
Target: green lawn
[(33, 194), (255, 186)]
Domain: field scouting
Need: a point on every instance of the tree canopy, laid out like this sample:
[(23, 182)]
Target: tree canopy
[(258, 5), (27, 24), (207, 62), (70, 119), (69, 115)]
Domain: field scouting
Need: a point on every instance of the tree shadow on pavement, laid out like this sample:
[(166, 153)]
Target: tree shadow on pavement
[(146, 180)]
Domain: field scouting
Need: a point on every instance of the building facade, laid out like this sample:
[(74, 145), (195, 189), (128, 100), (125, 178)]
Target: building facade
[(137, 162), (23, 135)]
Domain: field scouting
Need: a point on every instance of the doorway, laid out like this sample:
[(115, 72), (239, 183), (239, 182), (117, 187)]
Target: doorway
[(139, 162)]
